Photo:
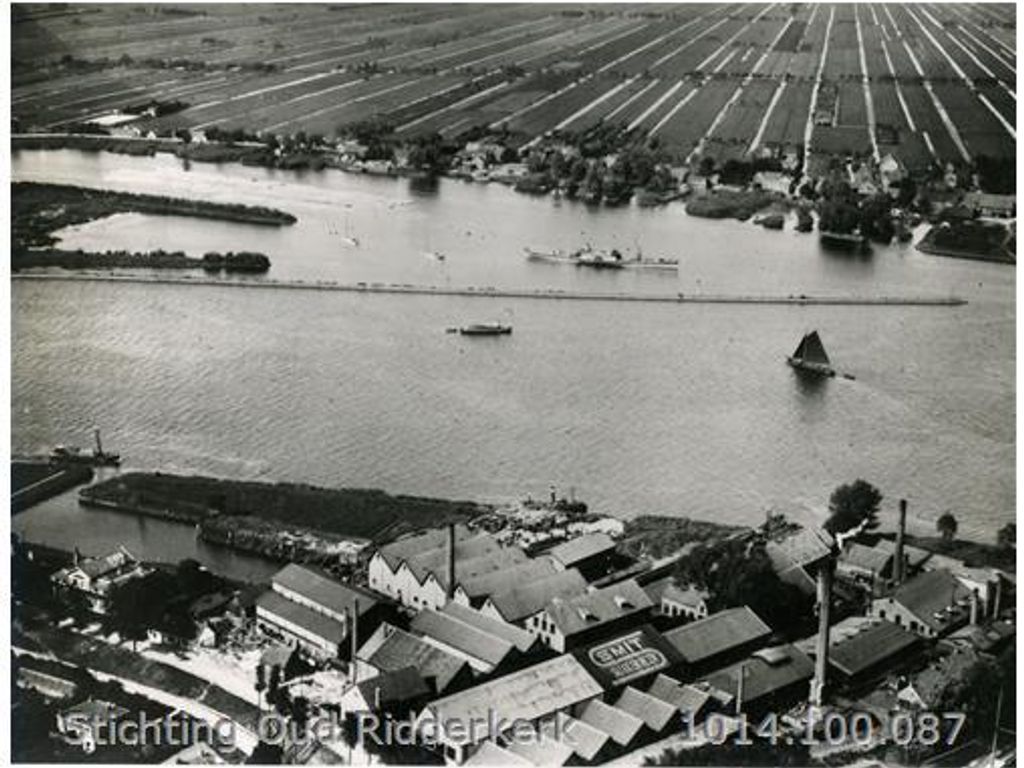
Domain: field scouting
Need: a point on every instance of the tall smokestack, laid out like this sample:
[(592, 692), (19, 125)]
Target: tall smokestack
[(451, 561), (974, 607), (739, 689), (898, 564), (998, 598), (353, 633), (821, 644)]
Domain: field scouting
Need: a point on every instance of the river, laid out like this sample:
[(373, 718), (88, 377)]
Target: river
[(638, 408)]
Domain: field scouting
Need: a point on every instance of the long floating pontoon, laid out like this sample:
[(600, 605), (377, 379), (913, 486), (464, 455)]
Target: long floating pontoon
[(514, 293)]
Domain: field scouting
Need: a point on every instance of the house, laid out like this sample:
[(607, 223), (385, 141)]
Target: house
[(719, 639), (863, 564), (931, 604), (484, 651), (517, 602), (312, 611), (914, 558), (50, 686), (690, 602), (891, 170), (391, 648), (989, 638), (282, 658), (630, 657), (772, 679), (531, 694), (87, 723), (474, 589), (591, 554), (94, 579), (991, 206), (523, 641), (571, 622)]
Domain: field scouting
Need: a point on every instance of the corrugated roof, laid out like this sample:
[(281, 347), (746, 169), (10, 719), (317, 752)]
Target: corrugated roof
[(915, 556), (519, 637), (718, 633), (763, 678), (684, 698), (323, 590), (527, 694), (398, 685), (518, 601), (466, 638), (581, 548), (489, 753), (317, 623), (585, 740), (402, 649), (621, 726), (598, 607), (519, 572), (655, 713), (872, 645), (928, 596)]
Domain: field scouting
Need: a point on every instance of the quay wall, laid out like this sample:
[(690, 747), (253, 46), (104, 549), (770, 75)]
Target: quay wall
[(517, 293)]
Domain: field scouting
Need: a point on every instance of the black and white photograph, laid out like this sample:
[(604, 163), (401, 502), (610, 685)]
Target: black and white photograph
[(511, 384)]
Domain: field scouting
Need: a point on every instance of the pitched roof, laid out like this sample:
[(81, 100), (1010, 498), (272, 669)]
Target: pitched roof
[(685, 698), (94, 567), (517, 572), (914, 556), (470, 640), (467, 569), (318, 624), (598, 607), (872, 645), (518, 636), (866, 558), (805, 547), (528, 694), (985, 637), (718, 633), (323, 590), (765, 672), (489, 753), (655, 713), (655, 589), (621, 726), (434, 539), (541, 749), (400, 649), (518, 601), (581, 548), (932, 597), (586, 740), (628, 656), (398, 685)]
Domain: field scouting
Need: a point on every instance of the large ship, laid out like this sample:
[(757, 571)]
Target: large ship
[(485, 329), (599, 259), (72, 454), (810, 356)]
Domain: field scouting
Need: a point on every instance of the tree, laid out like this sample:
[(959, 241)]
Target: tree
[(261, 683), (852, 504), (1007, 536), (132, 610), (947, 526)]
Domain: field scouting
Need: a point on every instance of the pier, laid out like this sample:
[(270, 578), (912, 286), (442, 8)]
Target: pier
[(516, 293)]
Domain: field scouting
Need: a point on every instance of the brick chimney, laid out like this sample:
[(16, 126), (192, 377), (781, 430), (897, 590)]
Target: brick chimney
[(898, 563), (451, 561), (822, 640)]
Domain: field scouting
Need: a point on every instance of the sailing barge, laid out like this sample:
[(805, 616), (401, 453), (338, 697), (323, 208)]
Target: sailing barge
[(810, 356)]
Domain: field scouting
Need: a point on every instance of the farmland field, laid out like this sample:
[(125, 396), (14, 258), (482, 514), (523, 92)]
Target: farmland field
[(727, 79)]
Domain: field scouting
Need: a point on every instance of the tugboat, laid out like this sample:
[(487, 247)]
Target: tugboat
[(485, 329), (810, 356), (600, 259), (71, 454)]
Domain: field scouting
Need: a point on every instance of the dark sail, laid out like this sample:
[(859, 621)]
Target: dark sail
[(811, 350)]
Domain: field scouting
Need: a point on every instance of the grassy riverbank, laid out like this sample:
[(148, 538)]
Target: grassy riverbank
[(39, 210), (43, 258), (341, 513)]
